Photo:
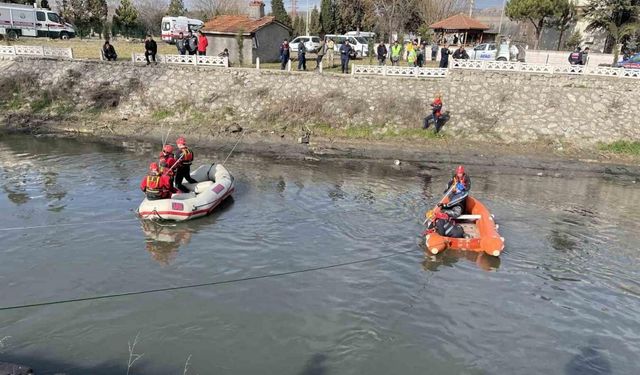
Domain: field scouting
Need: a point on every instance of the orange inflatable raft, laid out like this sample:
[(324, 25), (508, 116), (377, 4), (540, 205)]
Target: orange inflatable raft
[(481, 233)]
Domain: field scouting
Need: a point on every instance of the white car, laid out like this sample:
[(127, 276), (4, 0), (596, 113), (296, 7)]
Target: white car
[(359, 44), (312, 43), (504, 52)]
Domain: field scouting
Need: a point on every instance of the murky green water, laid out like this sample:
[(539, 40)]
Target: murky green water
[(563, 299)]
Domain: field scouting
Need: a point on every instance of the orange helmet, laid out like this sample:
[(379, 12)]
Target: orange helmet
[(181, 141), (460, 170), (168, 149), (153, 167)]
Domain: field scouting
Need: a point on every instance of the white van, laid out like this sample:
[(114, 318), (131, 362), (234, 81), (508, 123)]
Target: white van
[(24, 20), (364, 34), (359, 44), (312, 43), (173, 26)]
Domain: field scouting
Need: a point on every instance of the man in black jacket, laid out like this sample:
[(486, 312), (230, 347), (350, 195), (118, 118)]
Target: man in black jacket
[(460, 54), (382, 53), (108, 52), (150, 49), (444, 57)]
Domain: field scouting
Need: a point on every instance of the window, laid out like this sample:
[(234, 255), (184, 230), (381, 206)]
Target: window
[(40, 16), (480, 47), (492, 47), (166, 26), (315, 39), (53, 17), (362, 40), (353, 40)]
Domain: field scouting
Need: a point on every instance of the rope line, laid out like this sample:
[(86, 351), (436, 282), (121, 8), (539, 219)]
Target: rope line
[(213, 283), (234, 147), (66, 225)]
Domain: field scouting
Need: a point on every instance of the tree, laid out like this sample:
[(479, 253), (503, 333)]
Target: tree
[(574, 40), (150, 13), (390, 14), (601, 13), (354, 15), (328, 16), (278, 11), (618, 34), (206, 9), (315, 28), (564, 17), (125, 19), (240, 42), (176, 8), (432, 11), (86, 15), (299, 26), (538, 12)]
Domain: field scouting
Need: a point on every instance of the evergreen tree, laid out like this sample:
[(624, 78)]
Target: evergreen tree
[(328, 16), (538, 12), (315, 28), (299, 26), (86, 15), (176, 8), (125, 20), (278, 11)]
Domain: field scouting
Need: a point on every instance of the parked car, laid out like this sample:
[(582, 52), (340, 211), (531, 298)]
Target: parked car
[(503, 52), (360, 45), (311, 42), (173, 26), (26, 20), (632, 63)]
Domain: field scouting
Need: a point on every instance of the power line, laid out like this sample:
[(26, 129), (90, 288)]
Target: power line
[(213, 283)]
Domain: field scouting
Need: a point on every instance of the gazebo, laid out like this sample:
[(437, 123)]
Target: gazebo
[(472, 29)]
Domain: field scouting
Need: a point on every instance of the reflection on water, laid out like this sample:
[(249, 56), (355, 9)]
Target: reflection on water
[(569, 274), (449, 258)]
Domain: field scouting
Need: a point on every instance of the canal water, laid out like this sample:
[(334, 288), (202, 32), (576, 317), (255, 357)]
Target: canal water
[(564, 298)]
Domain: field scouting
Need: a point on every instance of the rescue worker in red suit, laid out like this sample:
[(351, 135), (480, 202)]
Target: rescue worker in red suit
[(436, 113), (183, 167), (156, 185), (458, 188), (166, 162)]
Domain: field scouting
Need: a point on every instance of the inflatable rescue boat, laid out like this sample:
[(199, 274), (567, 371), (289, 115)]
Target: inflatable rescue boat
[(214, 185), (481, 232)]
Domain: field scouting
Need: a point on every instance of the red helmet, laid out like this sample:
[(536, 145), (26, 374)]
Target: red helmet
[(181, 141), (153, 167), (168, 149), (460, 170)]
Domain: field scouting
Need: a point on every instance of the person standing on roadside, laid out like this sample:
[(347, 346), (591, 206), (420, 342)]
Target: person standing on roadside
[(192, 43), (396, 52), (444, 56), (585, 56), (302, 56), (203, 43), (321, 52), (181, 44), (345, 53), (284, 54), (434, 51), (382, 53), (150, 49), (331, 45)]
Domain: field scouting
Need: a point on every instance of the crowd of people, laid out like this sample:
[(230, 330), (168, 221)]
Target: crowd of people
[(326, 48), (167, 175), (189, 45)]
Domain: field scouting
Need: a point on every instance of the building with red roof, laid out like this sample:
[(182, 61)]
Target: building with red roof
[(461, 25), (261, 35)]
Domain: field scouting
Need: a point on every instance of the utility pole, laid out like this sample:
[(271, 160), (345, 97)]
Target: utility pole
[(308, 18), (504, 5), (471, 8), (294, 8)]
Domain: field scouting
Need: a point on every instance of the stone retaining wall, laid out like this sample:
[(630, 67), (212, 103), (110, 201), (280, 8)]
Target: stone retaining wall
[(496, 106)]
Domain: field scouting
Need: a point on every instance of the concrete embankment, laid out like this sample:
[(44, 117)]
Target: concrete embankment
[(487, 108)]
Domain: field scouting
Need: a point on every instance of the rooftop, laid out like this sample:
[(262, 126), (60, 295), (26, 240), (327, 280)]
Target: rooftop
[(459, 22), (233, 24)]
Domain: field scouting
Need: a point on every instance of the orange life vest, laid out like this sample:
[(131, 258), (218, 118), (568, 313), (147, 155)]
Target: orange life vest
[(153, 189)]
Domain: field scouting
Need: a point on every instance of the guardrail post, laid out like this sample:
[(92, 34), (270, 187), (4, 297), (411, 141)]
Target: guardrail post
[(133, 58), (289, 65), (384, 70), (320, 67), (353, 70), (257, 63)]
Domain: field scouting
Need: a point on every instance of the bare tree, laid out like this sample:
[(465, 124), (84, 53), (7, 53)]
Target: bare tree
[(392, 14), (150, 13), (432, 11), (210, 8)]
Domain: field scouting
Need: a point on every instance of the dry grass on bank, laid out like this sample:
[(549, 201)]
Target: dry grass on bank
[(90, 48)]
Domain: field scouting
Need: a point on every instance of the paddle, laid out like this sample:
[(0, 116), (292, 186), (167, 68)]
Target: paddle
[(441, 200)]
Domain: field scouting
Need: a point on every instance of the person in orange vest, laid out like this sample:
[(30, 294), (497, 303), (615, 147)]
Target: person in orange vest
[(156, 185), (436, 113), (458, 189), (183, 167)]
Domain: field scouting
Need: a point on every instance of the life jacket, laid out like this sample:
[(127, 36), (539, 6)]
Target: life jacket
[(462, 181), (153, 189), (187, 157), (395, 51)]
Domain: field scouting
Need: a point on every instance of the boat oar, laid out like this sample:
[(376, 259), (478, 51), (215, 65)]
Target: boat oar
[(441, 200)]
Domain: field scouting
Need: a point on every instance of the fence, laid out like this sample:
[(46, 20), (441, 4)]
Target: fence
[(398, 71), (506, 66), (197, 60), (65, 53)]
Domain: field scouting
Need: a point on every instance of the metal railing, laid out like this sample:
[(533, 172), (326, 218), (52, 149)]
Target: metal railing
[(507, 66), (398, 71), (19, 50), (197, 60)]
